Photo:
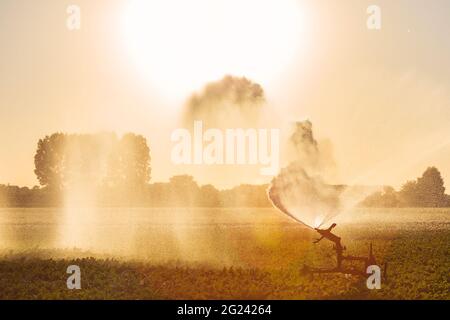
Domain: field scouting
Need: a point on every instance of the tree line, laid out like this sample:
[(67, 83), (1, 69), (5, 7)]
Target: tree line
[(427, 191), (117, 169), (180, 191)]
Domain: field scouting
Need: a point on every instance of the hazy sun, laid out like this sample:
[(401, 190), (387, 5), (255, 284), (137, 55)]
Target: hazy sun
[(180, 45)]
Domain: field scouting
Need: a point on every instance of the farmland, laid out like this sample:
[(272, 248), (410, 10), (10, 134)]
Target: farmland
[(219, 254)]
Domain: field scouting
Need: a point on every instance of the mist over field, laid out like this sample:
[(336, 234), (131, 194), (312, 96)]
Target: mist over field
[(224, 149)]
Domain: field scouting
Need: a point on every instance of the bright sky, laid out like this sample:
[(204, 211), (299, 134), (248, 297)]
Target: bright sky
[(381, 97)]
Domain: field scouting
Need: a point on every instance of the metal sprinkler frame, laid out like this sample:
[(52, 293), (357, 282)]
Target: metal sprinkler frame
[(340, 258)]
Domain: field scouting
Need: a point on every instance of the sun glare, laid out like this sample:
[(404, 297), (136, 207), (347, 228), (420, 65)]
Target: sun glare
[(180, 45)]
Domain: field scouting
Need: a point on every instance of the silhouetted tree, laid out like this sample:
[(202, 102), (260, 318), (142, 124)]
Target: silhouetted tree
[(408, 194), (48, 160), (427, 191), (158, 194), (183, 190), (430, 189), (62, 160), (208, 196), (387, 198), (130, 162)]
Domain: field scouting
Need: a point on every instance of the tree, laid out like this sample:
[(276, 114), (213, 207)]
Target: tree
[(183, 190), (48, 160), (426, 191), (447, 201), (209, 196), (408, 194), (129, 164), (390, 198), (430, 189), (387, 198), (64, 160)]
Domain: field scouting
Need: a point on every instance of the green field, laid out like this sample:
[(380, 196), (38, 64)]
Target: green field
[(218, 254)]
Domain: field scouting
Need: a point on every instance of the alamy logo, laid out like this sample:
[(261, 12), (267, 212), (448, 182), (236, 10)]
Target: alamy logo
[(374, 280), (236, 146), (73, 21), (74, 280), (374, 20)]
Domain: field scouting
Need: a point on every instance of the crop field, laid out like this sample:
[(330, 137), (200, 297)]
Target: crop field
[(222, 254)]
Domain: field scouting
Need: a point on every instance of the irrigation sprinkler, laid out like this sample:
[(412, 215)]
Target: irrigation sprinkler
[(341, 258)]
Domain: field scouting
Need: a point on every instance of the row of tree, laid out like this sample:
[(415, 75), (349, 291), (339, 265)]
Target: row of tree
[(116, 170), (427, 191), (180, 191)]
